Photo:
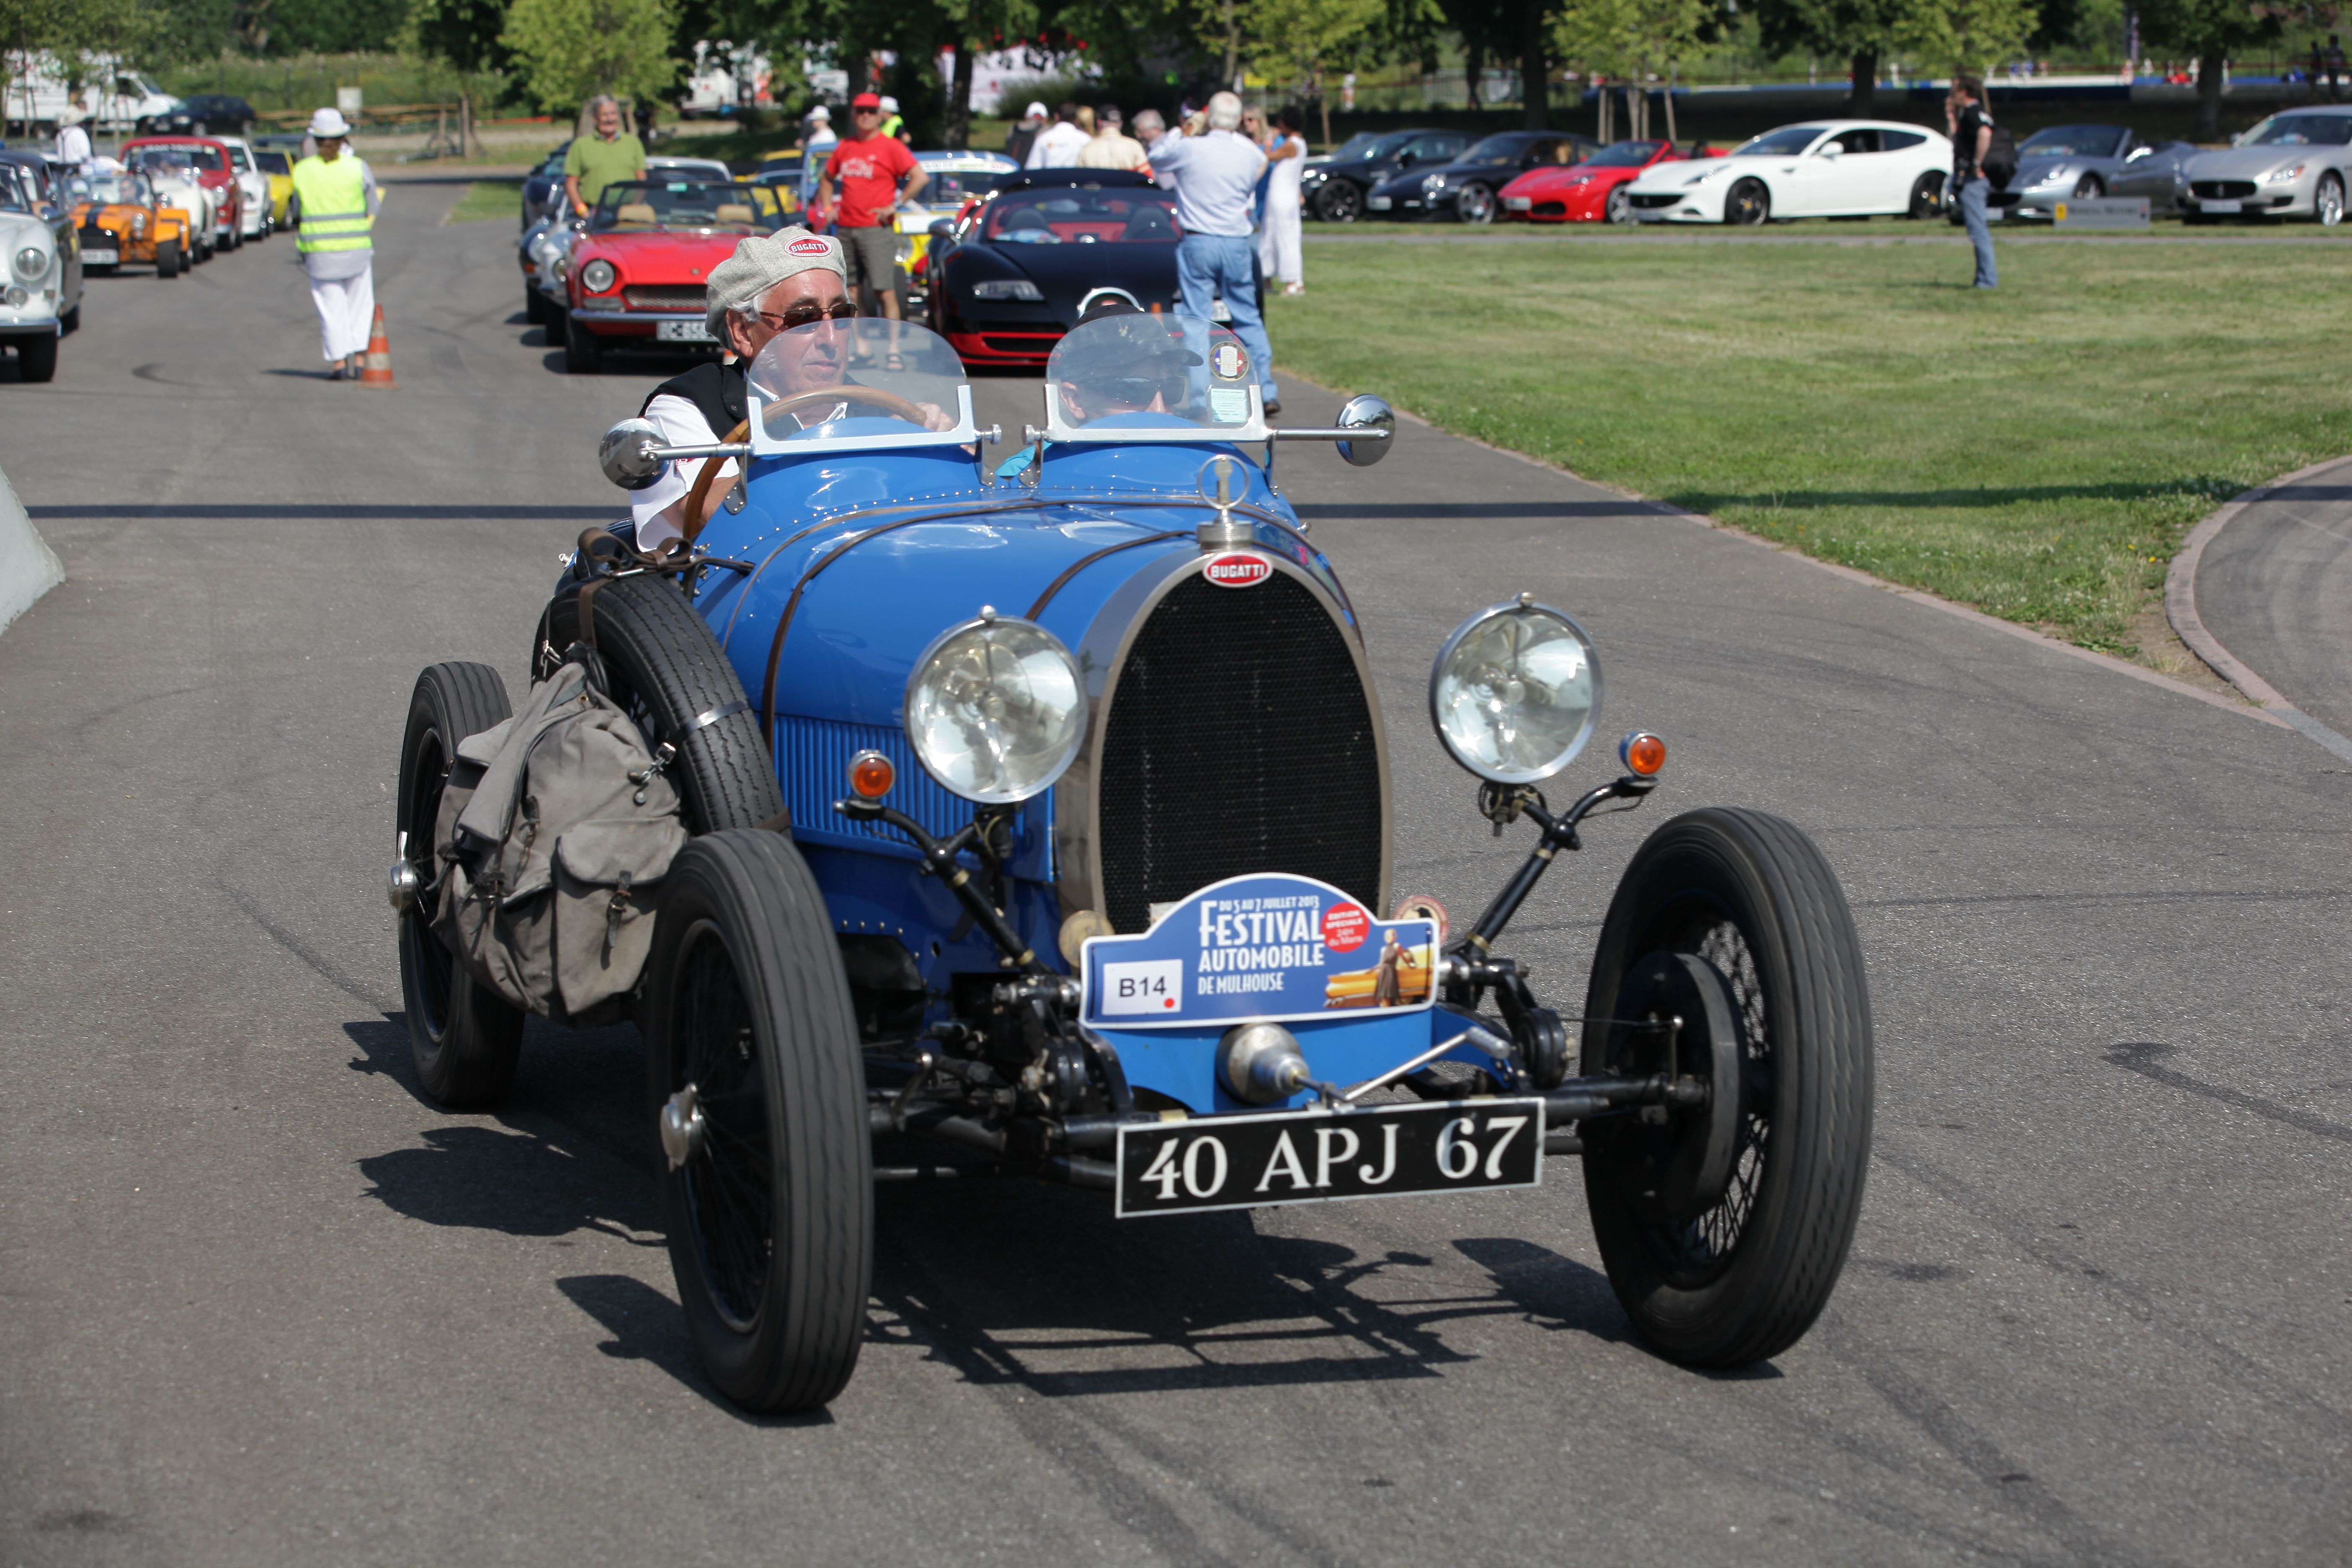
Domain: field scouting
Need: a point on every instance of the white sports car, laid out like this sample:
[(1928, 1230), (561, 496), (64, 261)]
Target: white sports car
[(256, 185), (1831, 168)]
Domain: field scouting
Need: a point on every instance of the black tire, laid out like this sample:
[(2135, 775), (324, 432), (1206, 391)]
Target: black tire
[(664, 667), (36, 358), (1618, 209), (1742, 1281), (2090, 188), (466, 1040), (167, 258), (1475, 204), (71, 320), (1749, 204), (1927, 197), (771, 1215), (534, 307), (1340, 201), (583, 352)]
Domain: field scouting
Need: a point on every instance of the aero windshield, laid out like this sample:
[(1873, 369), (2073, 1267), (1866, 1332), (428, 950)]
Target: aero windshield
[(183, 155), (646, 206), (2301, 130), (1785, 142), (1117, 214), (2074, 142), (843, 383), (1625, 155), (120, 190), (1151, 378)]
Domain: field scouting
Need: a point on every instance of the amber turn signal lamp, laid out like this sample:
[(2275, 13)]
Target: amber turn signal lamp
[(1643, 753), (871, 774)]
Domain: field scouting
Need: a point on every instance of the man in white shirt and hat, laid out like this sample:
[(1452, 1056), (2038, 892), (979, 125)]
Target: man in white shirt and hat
[(1058, 145), (333, 212), (73, 142)]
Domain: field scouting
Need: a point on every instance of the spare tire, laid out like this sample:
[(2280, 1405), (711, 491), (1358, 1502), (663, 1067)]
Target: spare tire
[(662, 664)]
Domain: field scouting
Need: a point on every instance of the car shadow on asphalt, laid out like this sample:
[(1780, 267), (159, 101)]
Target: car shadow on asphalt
[(1043, 1289)]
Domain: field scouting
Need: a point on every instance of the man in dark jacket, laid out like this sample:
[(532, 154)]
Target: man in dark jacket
[(1971, 128)]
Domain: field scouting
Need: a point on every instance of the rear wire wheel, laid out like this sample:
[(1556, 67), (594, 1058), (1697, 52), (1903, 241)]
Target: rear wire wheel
[(1741, 1279), (465, 1038), (664, 667), (769, 1199)]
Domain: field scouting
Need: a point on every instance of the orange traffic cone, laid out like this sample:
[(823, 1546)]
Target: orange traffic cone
[(375, 368)]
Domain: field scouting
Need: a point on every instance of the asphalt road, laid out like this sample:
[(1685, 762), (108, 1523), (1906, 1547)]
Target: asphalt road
[(260, 1304), (2275, 585)]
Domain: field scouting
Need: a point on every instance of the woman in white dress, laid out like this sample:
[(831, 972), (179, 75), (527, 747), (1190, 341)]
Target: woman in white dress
[(1277, 236)]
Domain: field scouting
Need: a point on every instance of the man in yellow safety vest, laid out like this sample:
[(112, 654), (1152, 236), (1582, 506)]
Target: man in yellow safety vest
[(333, 209)]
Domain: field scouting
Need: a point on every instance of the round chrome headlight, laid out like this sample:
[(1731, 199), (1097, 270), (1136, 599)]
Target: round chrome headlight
[(1515, 693), (32, 263), (995, 709), (597, 276)]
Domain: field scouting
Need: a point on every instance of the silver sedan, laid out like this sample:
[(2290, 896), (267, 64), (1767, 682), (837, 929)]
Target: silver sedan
[(2296, 163)]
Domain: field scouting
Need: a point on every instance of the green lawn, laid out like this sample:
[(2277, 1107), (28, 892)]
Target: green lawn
[(486, 199), (2037, 451)]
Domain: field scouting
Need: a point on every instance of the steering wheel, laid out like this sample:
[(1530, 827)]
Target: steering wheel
[(847, 391)]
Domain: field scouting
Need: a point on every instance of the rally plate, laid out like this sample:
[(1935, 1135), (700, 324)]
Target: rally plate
[(94, 257), (1317, 1156), (683, 333)]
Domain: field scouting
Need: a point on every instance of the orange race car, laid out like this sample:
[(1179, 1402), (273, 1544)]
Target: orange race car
[(123, 225)]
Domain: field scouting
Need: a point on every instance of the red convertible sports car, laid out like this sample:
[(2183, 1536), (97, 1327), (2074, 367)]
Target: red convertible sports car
[(639, 276), (1592, 191)]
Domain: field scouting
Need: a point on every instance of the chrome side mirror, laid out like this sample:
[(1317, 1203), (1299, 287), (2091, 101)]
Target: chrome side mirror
[(627, 453), (1367, 413)]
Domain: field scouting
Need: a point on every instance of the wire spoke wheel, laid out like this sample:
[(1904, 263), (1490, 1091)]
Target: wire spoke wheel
[(1732, 1268)]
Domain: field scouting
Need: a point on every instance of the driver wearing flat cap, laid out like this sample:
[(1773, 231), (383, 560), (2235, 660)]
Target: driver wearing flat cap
[(772, 284)]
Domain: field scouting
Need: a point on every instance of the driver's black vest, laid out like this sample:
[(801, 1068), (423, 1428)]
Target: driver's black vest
[(714, 388)]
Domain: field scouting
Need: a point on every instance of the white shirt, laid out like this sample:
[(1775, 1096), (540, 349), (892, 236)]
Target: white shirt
[(73, 145), (1283, 191), (1057, 146), (1216, 180), (660, 507)]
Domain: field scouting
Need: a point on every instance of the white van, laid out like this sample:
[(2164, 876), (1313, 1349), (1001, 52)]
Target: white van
[(114, 96)]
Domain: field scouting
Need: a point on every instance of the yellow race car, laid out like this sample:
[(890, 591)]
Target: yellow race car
[(279, 166)]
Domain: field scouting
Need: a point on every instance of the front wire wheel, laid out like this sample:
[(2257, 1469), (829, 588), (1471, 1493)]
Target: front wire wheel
[(1740, 1274), (768, 1186)]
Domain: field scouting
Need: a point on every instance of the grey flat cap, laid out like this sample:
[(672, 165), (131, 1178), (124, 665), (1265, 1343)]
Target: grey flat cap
[(761, 262)]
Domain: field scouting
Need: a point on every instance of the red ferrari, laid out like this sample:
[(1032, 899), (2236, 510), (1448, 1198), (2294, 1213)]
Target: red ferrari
[(1592, 191), (210, 162), (638, 278)]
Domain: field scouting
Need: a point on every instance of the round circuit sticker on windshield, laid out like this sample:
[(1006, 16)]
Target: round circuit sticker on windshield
[(1227, 362)]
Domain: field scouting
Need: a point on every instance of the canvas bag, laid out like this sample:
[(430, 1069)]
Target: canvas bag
[(555, 828)]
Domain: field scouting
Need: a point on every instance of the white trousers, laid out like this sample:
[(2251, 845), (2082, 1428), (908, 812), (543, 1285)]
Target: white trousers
[(346, 312), (1278, 243)]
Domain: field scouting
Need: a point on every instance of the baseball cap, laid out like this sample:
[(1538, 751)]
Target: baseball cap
[(889, 104), (865, 100)]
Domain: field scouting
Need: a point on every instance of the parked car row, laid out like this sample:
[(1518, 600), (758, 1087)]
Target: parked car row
[(2296, 163), (164, 205)]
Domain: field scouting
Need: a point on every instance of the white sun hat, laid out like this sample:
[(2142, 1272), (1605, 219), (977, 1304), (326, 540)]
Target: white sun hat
[(329, 122)]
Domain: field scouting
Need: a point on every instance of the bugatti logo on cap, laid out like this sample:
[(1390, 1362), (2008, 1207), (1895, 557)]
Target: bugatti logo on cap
[(809, 247), (1238, 571), (1227, 362)]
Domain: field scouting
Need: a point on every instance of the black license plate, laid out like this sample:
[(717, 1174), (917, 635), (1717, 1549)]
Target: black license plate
[(1317, 1156)]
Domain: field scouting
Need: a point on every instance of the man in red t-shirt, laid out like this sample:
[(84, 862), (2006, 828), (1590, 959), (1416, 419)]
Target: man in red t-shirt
[(868, 167)]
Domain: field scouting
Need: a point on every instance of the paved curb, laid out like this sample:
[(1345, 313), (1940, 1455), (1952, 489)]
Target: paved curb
[(29, 567), (2263, 714), (2180, 609)]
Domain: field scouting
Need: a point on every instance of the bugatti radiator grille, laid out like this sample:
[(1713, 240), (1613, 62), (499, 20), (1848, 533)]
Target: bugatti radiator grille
[(1239, 740)]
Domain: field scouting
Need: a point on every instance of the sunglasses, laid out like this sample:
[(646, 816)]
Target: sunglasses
[(808, 313)]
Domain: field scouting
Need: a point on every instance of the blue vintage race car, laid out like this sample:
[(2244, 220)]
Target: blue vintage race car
[(1042, 819)]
